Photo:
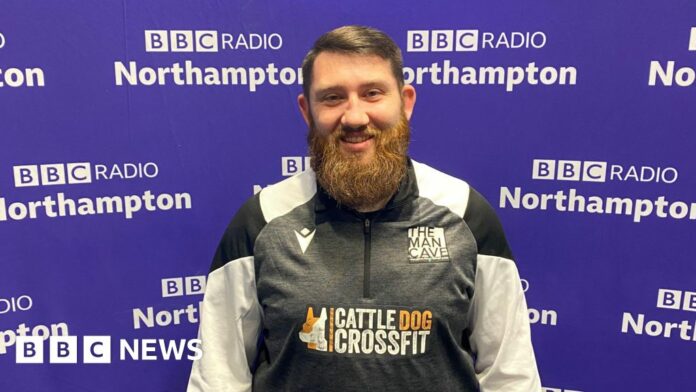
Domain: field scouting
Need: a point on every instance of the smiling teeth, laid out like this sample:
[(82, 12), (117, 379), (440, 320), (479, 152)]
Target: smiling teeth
[(355, 139)]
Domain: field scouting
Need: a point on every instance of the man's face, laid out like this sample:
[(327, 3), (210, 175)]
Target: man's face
[(355, 95), (358, 119)]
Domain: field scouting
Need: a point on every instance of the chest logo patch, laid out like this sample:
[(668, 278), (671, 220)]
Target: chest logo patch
[(385, 331), (313, 330), (304, 237), (427, 245)]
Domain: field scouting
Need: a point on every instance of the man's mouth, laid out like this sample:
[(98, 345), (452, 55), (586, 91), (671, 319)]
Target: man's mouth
[(355, 139)]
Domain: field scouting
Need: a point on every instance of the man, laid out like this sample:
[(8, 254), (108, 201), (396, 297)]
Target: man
[(371, 271)]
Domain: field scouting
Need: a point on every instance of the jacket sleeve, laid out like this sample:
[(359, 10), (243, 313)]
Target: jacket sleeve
[(500, 335), (231, 317)]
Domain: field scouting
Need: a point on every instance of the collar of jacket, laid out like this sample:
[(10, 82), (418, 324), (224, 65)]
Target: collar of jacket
[(408, 189)]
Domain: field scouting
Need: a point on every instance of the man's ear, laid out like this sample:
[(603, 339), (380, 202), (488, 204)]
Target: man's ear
[(303, 103), (408, 97)]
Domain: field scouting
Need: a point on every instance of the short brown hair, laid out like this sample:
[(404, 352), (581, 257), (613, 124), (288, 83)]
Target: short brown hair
[(359, 40)]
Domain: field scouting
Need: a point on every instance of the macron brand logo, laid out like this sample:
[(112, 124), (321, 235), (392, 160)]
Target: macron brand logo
[(304, 237), (427, 245)]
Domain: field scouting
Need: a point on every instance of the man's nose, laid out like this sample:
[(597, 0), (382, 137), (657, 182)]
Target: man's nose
[(355, 116)]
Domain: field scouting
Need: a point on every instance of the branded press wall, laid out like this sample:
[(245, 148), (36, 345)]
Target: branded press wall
[(133, 130)]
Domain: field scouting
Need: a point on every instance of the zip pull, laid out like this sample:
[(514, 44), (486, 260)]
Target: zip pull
[(366, 274)]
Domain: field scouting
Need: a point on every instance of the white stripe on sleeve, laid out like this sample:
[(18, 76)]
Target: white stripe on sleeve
[(231, 321), (501, 338)]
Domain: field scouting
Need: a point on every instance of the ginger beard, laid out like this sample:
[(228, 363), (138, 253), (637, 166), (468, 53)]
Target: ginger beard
[(347, 178)]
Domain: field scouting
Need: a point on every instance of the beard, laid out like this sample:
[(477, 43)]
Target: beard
[(353, 181)]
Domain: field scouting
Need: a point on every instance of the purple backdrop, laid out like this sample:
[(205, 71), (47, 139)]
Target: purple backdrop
[(133, 130)]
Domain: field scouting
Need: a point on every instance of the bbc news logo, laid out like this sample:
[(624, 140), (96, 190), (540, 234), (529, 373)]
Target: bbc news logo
[(30, 349), (471, 40), (79, 173), (97, 349), (189, 285), (600, 171), (210, 41), (676, 299), (15, 304)]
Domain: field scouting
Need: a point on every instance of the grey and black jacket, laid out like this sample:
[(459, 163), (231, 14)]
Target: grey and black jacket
[(304, 294)]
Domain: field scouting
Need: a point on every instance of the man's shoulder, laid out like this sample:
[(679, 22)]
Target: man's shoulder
[(486, 227), (282, 197), (258, 211), (465, 201), (442, 188)]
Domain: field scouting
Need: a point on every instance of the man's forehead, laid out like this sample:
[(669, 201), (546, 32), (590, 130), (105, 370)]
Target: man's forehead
[(334, 69)]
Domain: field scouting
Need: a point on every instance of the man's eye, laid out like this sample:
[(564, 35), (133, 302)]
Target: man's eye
[(373, 93), (331, 100)]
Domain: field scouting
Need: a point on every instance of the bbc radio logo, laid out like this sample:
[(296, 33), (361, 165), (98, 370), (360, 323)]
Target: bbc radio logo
[(188, 41), (666, 299), (189, 285), (471, 40), (16, 304), (548, 169), (52, 174), (294, 165), (599, 171), (289, 167), (442, 40), (668, 73), (181, 41), (676, 299), (79, 173)]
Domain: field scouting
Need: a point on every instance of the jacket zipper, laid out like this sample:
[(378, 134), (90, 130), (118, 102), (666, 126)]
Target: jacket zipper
[(367, 231)]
